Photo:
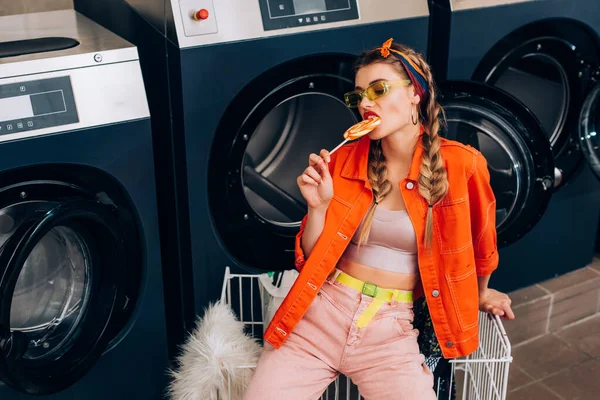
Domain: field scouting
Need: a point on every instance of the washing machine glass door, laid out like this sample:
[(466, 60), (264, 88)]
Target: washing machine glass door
[(262, 145), (59, 268), (547, 66), (518, 153), (589, 129)]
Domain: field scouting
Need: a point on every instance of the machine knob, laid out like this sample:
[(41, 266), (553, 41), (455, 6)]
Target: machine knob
[(201, 14), (558, 177)]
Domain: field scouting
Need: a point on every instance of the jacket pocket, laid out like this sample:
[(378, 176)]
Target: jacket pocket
[(452, 226), (465, 296)]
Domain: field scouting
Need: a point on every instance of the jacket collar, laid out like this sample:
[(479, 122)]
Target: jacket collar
[(356, 164)]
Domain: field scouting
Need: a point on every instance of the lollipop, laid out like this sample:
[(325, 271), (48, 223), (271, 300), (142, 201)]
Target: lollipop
[(359, 130)]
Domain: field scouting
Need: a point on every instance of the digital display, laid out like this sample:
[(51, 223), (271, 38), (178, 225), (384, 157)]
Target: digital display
[(28, 106), (36, 104), (309, 6), (278, 14)]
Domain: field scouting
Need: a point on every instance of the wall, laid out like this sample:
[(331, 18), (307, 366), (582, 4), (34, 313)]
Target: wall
[(10, 7)]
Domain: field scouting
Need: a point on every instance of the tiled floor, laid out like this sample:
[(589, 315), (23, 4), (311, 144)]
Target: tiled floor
[(556, 338), (564, 365)]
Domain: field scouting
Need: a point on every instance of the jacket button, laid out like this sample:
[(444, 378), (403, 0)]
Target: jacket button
[(435, 293), (449, 344), (410, 185)]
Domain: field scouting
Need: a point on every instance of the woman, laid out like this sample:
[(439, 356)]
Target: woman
[(397, 215)]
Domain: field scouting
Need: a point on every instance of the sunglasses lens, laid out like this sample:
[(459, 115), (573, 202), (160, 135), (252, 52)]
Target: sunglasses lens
[(352, 99), (377, 90)]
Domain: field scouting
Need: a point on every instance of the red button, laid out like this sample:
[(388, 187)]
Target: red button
[(200, 15)]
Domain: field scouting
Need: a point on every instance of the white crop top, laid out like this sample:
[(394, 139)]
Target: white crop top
[(392, 243)]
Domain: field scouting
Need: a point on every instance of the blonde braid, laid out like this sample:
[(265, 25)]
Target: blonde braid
[(433, 179), (380, 185)]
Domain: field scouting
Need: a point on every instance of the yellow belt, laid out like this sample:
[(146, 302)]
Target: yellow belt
[(379, 294)]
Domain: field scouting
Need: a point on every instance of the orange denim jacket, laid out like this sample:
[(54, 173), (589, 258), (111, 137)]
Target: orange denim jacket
[(463, 245)]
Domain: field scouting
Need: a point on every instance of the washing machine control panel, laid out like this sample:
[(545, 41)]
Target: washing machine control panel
[(281, 14), (207, 22), (36, 104)]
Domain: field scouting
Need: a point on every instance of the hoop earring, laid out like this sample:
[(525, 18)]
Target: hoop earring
[(412, 117)]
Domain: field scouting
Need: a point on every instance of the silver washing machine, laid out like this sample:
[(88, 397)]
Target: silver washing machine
[(82, 314)]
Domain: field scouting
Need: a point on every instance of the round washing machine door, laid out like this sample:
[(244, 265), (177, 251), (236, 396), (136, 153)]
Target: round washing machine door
[(589, 129), (514, 144), (262, 145), (548, 66), (62, 291)]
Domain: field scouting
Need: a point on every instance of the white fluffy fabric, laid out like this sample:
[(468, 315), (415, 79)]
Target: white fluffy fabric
[(210, 356)]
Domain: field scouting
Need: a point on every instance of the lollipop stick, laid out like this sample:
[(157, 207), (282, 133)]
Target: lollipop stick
[(338, 146)]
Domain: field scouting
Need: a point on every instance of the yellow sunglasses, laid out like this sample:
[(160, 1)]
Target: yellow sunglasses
[(373, 91)]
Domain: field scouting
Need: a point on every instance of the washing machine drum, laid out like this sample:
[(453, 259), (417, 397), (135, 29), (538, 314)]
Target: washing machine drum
[(262, 145), (62, 265), (278, 152)]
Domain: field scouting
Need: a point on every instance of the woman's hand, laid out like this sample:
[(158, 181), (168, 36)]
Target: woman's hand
[(315, 183), (495, 302)]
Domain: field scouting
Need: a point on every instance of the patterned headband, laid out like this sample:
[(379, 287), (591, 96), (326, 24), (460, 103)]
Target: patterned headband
[(415, 74)]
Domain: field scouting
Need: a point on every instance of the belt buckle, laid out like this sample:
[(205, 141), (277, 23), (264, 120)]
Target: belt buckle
[(369, 289)]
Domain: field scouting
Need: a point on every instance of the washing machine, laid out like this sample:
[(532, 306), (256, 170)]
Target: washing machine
[(546, 55), (241, 94), (246, 91), (82, 314)]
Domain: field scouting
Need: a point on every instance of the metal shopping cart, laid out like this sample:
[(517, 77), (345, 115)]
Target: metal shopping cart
[(482, 375)]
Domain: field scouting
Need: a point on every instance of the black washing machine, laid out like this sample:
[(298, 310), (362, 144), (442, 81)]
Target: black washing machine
[(239, 100), (546, 55), (241, 95), (82, 314)]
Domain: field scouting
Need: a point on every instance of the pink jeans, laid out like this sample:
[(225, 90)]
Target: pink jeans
[(382, 359)]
